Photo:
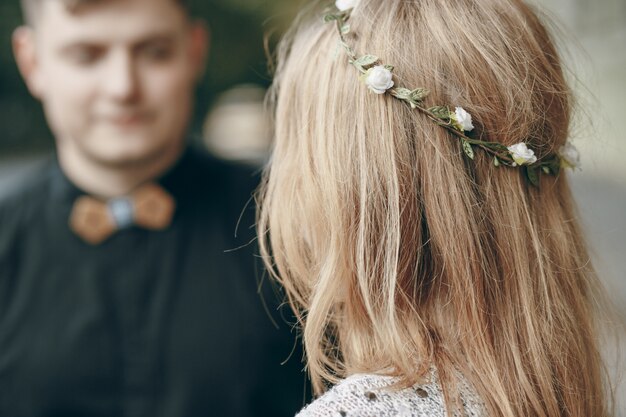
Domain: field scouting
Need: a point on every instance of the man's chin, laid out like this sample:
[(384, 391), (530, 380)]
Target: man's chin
[(131, 156)]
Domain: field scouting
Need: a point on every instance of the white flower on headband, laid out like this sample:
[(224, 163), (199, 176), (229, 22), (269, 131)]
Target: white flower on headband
[(464, 119), (379, 79), (344, 5), (570, 157), (521, 154)]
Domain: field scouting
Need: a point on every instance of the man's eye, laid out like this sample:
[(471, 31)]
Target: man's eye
[(158, 52), (84, 56)]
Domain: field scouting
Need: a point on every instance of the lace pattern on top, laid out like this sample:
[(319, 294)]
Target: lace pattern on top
[(367, 395)]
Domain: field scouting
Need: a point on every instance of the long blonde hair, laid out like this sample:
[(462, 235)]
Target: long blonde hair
[(397, 253)]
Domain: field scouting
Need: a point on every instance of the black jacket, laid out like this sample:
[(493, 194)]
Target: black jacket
[(148, 323)]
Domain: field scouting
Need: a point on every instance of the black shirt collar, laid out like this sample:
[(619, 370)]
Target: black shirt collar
[(177, 180)]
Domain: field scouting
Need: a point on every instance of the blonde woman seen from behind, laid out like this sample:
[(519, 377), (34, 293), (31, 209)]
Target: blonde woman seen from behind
[(417, 212)]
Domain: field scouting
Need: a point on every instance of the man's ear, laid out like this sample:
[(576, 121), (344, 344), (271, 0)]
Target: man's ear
[(25, 54), (200, 41)]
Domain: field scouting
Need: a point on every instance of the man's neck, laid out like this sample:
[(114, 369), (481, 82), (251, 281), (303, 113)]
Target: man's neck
[(111, 180)]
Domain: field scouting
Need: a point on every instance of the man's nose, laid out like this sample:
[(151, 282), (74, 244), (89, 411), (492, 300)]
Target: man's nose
[(121, 79)]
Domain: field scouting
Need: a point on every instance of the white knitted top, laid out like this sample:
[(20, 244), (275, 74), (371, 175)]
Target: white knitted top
[(365, 395)]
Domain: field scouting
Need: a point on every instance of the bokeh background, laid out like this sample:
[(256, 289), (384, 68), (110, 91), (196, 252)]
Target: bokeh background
[(238, 31), (229, 116)]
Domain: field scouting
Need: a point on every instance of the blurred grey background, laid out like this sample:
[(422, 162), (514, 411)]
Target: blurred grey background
[(229, 116), (593, 39)]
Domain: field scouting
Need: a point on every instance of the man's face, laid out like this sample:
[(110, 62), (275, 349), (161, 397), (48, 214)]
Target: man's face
[(116, 78)]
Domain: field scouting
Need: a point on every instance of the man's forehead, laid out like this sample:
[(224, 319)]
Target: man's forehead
[(32, 8), (112, 19)]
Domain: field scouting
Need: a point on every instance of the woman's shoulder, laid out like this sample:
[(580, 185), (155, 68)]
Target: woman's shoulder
[(369, 395)]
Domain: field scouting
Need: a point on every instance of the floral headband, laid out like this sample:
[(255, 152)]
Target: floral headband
[(379, 80)]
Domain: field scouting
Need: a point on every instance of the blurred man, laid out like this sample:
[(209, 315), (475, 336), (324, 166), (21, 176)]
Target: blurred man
[(120, 291)]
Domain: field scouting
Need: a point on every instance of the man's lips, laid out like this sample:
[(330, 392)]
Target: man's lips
[(129, 119)]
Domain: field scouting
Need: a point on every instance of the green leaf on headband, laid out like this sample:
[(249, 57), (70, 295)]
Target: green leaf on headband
[(401, 93), (546, 170), (345, 29), (467, 148), (555, 165), (532, 174), (440, 112), (419, 94), (330, 17), (496, 161), (389, 67), (366, 60)]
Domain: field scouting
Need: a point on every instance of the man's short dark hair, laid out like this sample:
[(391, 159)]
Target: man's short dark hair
[(30, 8)]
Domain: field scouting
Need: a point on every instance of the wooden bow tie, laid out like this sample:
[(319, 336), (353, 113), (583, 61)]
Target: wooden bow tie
[(150, 207)]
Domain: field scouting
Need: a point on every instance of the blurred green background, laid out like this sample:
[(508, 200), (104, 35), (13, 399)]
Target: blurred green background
[(238, 29)]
